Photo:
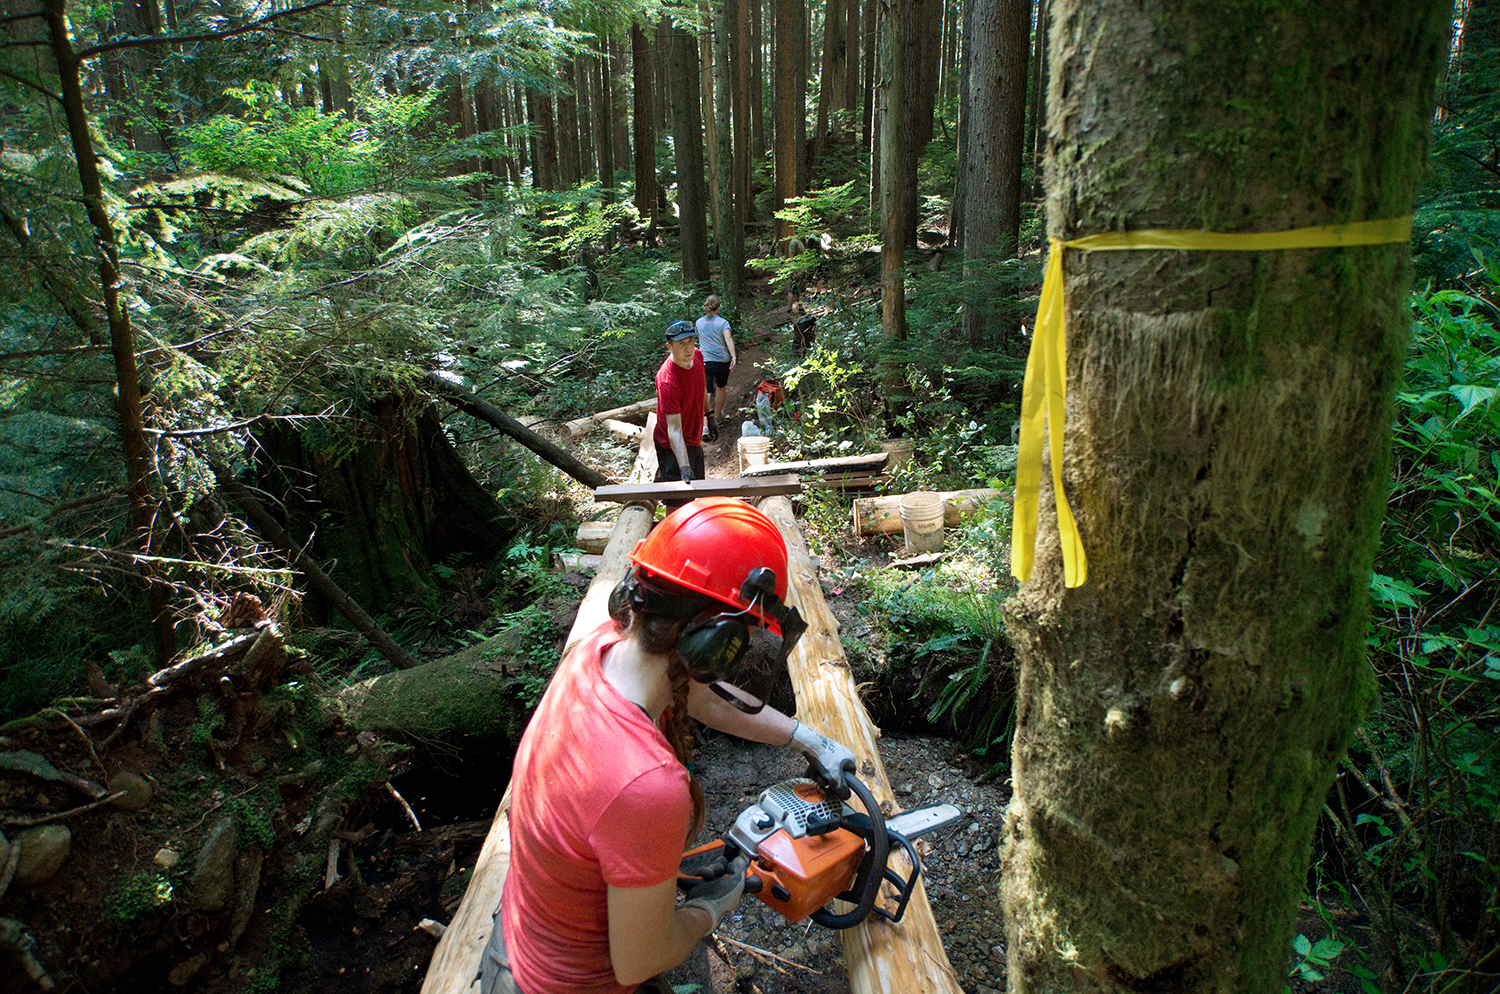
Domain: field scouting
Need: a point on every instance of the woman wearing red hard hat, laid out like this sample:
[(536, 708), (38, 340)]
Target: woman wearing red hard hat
[(603, 803)]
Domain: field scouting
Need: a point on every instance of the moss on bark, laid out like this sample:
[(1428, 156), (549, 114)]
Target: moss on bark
[(1228, 439)]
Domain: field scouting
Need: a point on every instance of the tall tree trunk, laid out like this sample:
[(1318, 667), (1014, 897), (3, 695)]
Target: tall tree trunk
[(893, 188), (852, 45), (731, 236), (687, 140), (957, 211), (830, 84), (922, 35), (1039, 98), (992, 167), (133, 441), (1034, 87), (744, 42), (871, 43), (1181, 714), (876, 66), (604, 123), (546, 145), (583, 89), (708, 100), (757, 74), (800, 75), (567, 128), (613, 83), (525, 146), (787, 111), (660, 50), (644, 122)]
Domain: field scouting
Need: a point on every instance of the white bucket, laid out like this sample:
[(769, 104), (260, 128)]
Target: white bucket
[(754, 450), (922, 520), (900, 452)]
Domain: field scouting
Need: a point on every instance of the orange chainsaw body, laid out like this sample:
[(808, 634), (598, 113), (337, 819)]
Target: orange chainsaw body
[(799, 876)]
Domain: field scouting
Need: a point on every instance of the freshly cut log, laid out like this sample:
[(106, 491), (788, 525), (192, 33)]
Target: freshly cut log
[(870, 459), (876, 515), (593, 536), (623, 428), (578, 426), (455, 962), (748, 487), (881, 958)]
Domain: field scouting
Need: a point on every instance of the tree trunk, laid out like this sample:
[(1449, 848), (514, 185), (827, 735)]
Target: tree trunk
[(583, 89), (920, 92), (992, 164), (1039, 99), (660, 50), (1035, 87), (1180, 715), (957, 209), (757, 88), (645, 129), (830, 84), (744, 46), (613, 81), (567, 128), (546, 143), (707, 101), (799, 77), (687, 139), (852, 43), (783, 67), (871, 44), (604, 124), (133, 443), (731, 235), (893, 190)]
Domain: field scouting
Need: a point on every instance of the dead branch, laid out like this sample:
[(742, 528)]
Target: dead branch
[(21, 821), (13, 936)]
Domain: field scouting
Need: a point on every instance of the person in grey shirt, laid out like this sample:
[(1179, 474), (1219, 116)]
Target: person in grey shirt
[(716, 342)]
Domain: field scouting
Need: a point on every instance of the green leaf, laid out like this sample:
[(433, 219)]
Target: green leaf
[(1387, 590), (1302, 943), (1471, 396)]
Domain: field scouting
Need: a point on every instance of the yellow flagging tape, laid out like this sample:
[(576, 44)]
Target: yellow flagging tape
[(1046, 386)]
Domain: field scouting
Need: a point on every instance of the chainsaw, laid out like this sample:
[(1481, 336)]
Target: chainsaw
[(807, 848)]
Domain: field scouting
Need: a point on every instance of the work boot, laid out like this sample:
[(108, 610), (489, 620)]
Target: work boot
[(712, 434)]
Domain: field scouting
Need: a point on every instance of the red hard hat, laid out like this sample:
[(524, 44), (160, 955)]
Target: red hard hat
[(710, 545)]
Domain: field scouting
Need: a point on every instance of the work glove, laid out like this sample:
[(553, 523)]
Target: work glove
[(687, 474), (723, 894), (827, 760)]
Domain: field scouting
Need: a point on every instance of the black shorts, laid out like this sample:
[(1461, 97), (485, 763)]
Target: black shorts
[(717, 374), (667, 470)]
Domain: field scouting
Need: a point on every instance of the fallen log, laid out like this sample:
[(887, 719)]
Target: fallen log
[(489, 413), (454, 967), (623, 428), (750, 488), (578, 426), (870, 459), (877, 515), (593, 536), (879, 956)]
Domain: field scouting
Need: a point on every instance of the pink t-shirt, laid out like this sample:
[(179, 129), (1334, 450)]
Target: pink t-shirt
[(599, 800), (681, 391)]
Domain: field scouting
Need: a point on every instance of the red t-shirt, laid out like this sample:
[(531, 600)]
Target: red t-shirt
[(681, 391), (599, 800)]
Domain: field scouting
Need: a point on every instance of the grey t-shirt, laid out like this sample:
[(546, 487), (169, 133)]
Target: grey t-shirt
[(711, 330)]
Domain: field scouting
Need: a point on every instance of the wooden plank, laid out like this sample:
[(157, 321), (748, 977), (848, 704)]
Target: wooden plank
[(877, 515), (881, 958), (454, 968), (578, 426), (871, 459), (769, 486)]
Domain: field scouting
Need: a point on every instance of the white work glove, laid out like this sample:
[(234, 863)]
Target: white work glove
[(827, 760), (721, 895)]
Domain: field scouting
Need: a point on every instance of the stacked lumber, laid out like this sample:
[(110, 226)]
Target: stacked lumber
[(880, 957), (877, 515)]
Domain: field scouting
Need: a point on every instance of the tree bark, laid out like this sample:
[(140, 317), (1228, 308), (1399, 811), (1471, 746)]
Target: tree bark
[(644, 126), (830, 84), (604, 123), (546, 143), (708, 100), (687, 139), (567, 127), (744, 45), (957, 209), (583, 90), (783, 68), (852, 44), (870, 43), (992, 163), (730, 233), (757, 63), (1181, 714), (614, 79), (893, 178)]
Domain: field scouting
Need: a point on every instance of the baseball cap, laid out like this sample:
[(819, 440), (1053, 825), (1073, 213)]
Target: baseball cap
[(678, 330)]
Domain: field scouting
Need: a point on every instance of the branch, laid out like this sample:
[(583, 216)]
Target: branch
[(38, 87), (89, 53)]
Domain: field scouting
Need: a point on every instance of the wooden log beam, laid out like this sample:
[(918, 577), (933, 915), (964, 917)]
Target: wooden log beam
[(869, 459), (877, 515), (881, 958), (485, 411), (623, 428), (578, 426), (752, 489), (454, 967)]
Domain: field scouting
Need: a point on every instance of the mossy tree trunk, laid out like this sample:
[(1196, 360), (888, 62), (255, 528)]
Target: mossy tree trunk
[(383, 511), (1228, 414)]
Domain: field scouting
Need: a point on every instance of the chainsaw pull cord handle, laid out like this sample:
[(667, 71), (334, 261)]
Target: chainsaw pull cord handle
[(872, 867)]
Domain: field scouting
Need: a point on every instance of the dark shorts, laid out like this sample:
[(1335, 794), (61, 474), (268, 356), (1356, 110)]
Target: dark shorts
[(495, 976), (668, 471), (717, 374)]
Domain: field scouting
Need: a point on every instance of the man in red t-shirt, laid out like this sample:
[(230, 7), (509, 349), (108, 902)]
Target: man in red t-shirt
[(680, 396)]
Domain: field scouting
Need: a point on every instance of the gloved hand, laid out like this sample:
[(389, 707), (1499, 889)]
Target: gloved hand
[(687, 474), (722, 895), (827, 760)]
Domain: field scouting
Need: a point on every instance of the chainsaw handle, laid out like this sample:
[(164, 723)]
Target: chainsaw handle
[(871, 868)]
